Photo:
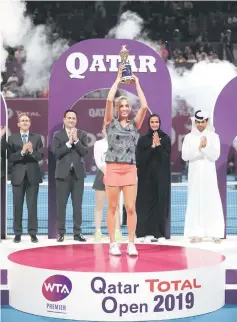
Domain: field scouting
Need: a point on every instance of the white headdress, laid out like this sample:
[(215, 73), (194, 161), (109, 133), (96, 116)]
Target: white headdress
[(202, 115)]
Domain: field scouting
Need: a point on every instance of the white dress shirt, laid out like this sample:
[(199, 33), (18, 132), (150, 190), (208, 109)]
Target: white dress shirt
[(100, 149), (27, 135)]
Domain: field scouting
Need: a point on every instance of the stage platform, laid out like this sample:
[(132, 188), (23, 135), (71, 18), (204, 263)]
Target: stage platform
[(81, 281)]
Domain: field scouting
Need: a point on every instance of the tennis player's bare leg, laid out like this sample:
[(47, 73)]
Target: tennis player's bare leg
[(130, 194), (99, 206), (118, 233), (113, 201)]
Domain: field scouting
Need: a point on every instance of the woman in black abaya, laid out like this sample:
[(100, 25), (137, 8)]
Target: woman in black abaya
[(154, 181)]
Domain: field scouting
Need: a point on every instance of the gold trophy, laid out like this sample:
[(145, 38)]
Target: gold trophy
[(127, 77)]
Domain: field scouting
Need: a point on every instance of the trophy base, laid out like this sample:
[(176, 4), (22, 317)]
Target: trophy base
[(127, 80)]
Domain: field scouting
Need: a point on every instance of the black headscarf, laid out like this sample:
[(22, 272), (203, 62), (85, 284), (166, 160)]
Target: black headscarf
[(150, 132)]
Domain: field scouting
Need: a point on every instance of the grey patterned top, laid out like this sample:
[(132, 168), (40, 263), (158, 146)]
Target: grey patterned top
[(122, 142)]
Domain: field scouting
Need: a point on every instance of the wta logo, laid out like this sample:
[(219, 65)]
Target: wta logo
[(56, 288)]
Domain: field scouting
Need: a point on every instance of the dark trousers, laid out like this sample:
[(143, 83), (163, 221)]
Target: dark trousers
[(19, 192), (75, 187)]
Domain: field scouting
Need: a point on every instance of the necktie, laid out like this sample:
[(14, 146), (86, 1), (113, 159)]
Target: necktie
[(24, 140), (72, 144)]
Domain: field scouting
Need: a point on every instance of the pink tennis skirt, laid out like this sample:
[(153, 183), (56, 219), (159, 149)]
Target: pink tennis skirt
[(120, 174)]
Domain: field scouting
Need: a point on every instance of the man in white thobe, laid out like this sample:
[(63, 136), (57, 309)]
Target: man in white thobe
[(204, 214)]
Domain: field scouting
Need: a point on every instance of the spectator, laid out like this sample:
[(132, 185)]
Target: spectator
[(191, 59), (176, 22), (7, 93), (13, 81)]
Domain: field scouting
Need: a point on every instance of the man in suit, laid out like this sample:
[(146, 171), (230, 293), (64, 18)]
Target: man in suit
[(70, 145), (25, 151)]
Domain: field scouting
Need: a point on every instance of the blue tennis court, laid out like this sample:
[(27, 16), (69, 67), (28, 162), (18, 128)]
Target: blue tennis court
[(178, 207)]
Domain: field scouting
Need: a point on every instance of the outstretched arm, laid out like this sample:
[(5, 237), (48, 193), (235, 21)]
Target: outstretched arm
[(110, 98), (139, 118)]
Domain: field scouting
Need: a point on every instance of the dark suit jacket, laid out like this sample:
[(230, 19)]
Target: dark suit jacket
[(66, 156), (27, 164), (4, 147)]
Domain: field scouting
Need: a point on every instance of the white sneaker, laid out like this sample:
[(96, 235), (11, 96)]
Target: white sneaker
[(161, 240), (217, 240), (114, 249), (147, 239), (131, 250)]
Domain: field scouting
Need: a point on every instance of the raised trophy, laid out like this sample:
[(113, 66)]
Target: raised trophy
[(127, 77)]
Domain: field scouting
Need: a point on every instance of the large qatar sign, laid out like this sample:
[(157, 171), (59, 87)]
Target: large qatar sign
[(91, 65)]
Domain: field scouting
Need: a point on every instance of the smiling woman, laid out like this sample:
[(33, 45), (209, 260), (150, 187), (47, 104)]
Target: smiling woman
[(121, 173), (154, 181)]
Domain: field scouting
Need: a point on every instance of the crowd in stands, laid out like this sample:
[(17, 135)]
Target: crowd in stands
[(187, 32)]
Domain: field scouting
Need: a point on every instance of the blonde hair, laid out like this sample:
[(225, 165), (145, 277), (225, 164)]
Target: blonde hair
[(119, 99)]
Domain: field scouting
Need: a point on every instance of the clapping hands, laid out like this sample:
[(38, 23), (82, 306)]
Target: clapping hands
[(27, 147), (30, 147), (203, 142), (73, 136), (155, 140)]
